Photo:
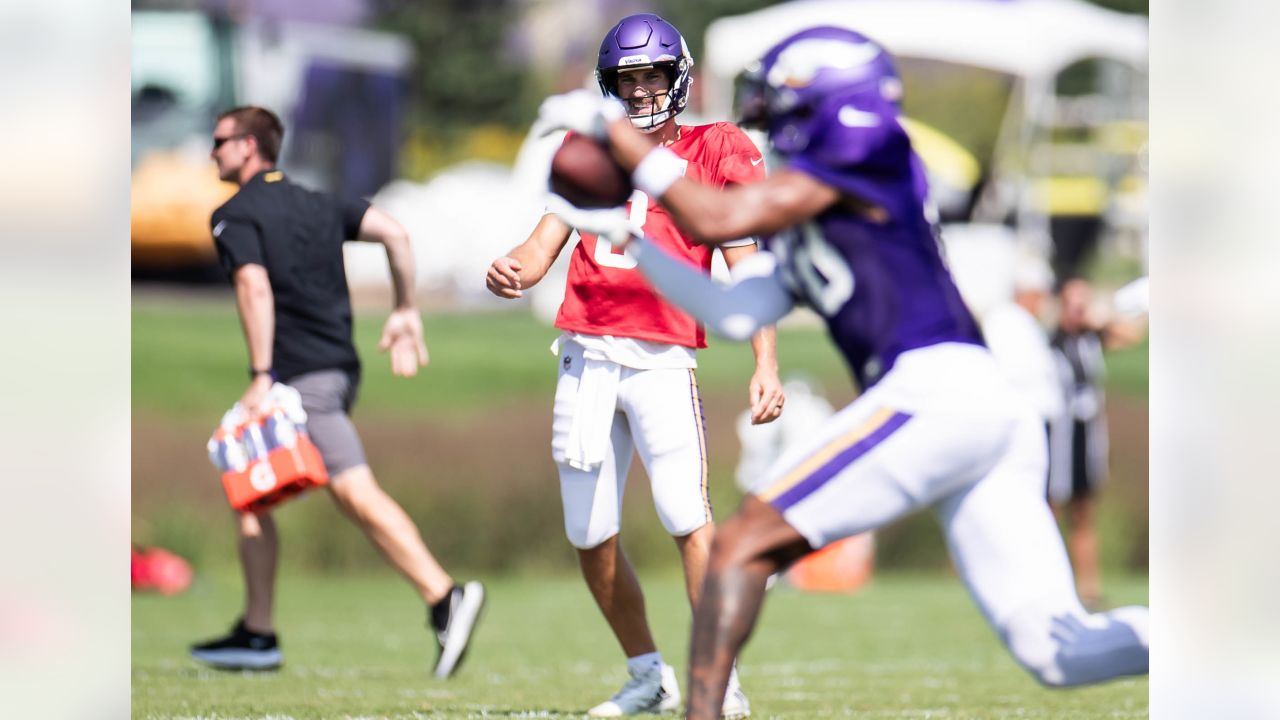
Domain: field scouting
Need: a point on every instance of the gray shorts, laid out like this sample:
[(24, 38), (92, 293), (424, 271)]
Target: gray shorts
[(327, 396)]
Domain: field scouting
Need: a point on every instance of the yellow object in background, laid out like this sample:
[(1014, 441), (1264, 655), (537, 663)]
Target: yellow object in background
[(1079, 195), (172, 197), (946, 159)]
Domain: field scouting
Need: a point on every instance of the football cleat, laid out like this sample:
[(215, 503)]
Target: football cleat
[(241, 649), (649, 691), (735, 705)]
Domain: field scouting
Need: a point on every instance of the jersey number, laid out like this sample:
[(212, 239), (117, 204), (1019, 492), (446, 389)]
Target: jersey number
[(609, 256), (825, 276)]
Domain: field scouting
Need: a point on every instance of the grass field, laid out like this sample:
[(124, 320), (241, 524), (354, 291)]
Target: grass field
[(465, 444), (464, 448), (189, 358), (906, 647)]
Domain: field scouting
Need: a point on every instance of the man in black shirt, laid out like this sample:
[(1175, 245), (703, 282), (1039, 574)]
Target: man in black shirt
[(282, 246)]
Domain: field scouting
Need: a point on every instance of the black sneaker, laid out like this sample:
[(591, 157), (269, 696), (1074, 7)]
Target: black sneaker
[(465, 604), (242, 649)]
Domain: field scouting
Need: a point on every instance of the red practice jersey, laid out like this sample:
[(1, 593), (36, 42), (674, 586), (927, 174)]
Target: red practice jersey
[(607, 295)]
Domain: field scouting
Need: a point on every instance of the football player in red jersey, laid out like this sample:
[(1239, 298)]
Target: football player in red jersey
[(626, 377)]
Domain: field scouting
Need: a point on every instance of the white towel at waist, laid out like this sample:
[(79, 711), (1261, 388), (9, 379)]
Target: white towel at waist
[(587, 444)]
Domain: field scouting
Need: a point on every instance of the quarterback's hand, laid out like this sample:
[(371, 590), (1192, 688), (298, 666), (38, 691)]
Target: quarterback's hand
[(585, 112), (766, 396), (402, 339), (611, 224), (503, 278)]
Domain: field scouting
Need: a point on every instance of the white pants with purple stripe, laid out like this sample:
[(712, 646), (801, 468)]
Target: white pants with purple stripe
[(657, 413), (944, 430)]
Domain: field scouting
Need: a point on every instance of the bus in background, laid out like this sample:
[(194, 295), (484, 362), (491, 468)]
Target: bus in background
[(340, 90)]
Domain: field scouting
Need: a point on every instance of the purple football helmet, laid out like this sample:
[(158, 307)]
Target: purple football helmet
[(804, 90), (641, 41)]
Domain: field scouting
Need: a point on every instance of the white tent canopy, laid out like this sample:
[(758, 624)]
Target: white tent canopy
[(1032, 39)]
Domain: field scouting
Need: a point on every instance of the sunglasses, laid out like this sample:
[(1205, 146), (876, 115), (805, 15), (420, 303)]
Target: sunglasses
[(218, 141)]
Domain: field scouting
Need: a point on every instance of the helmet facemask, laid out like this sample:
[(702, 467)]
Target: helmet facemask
[(661, 106)]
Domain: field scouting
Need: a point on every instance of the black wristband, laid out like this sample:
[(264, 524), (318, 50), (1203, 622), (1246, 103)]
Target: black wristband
[(253, 374)]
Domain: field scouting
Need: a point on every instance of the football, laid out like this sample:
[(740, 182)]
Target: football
[(584, 173)]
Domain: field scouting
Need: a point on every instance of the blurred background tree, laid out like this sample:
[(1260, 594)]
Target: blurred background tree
[(470, 96), (466, 74), (482, 65)]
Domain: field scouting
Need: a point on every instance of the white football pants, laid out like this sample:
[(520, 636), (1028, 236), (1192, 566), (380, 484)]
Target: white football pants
[(657, 413), (943, 429)]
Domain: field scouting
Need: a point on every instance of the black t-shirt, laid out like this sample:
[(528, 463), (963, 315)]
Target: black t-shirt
[(297, 235)]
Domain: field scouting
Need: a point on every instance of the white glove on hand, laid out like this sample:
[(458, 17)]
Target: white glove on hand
[(585, 112), (612, 224)]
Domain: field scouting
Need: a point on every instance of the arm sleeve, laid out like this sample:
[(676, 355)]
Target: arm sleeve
[(353, 210), (756, 297), (237, 240)]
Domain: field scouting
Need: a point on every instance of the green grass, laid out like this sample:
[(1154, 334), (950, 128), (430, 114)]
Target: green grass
[(1127, 370), (190, 358), (909, 646), (464, 444), (906, 647)]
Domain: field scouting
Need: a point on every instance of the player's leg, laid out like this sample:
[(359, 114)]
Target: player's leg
[(912, 438), (592, 445), (592, 500), (694, 549), (664, 408), (748, 548), (617, 592), (1007, 549), (592, 509), (847, 479)]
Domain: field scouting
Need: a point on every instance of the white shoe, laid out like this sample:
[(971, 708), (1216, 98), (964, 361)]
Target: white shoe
[(466, 603), (735, 705), (652, 691)]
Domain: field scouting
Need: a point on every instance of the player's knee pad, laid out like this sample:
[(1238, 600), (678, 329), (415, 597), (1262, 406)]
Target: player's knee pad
[(681, 521), (592, 508), (682, 503), (583, 535)]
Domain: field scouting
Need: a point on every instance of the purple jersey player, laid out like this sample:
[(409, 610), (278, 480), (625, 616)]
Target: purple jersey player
[(936, 427)]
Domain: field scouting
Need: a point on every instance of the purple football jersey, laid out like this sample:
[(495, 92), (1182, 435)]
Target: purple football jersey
[(883, 289)]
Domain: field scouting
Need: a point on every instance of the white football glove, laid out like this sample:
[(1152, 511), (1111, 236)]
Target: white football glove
[(612, 224), (585, 112)]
